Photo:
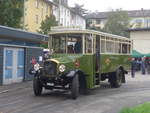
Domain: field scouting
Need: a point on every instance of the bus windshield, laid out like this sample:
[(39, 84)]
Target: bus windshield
[(67, 44)]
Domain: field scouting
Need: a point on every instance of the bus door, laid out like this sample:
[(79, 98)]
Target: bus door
[(97, 60)]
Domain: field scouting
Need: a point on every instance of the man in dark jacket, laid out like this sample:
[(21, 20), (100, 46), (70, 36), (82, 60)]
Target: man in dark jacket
[(148, 65), (133, 67), (78, 46), (143, 66)]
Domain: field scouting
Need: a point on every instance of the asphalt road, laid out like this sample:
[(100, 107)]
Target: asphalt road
[(19, 98)]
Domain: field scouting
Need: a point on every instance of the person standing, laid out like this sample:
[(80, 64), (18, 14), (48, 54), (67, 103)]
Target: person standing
[(133, 67), (143, 66), (148, 65), (78, 45)]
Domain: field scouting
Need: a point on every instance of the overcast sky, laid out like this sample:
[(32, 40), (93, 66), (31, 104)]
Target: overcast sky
[(106, 5)]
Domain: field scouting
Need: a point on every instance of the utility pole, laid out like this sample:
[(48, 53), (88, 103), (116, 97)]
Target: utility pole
[(145, 20), (59, 4)]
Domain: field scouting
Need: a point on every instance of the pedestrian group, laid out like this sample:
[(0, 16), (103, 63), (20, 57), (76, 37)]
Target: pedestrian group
[(140, 64)]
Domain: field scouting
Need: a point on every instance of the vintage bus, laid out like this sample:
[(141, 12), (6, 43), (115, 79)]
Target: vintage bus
[(80, 59)]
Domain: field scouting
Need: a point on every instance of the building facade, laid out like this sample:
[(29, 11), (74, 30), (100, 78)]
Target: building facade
[(138, 18), (35, 11), (66, 16), (17, 48)]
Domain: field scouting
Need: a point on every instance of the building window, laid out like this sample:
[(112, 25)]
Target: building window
[(37, 3), (147, 23), (36, 19), (46, 8), (68, 23), (98, 21), (68, 12), (62, 21), (138, 20), (42, 14), (138, 23)]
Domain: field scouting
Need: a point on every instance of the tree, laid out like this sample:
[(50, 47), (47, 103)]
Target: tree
[(11, 13), (79, 9), (56, 1), (47, 24), (118, 23)]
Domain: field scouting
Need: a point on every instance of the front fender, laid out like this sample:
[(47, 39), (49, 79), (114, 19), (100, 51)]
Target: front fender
[(32, 71), (72, 73)]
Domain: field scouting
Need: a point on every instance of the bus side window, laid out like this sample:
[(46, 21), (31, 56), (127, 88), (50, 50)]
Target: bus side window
[(124, 48), (109, 46), (102, 46), (88, 44)]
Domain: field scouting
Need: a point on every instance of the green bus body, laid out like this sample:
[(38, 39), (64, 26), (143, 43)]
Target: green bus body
[(81, 59), (108, 63)]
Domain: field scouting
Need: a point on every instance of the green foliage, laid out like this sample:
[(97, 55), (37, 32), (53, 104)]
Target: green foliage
[(56, 1), (44, 46), (144, 108), (79, 9), (11, 13), (118, 23), (47, 24)]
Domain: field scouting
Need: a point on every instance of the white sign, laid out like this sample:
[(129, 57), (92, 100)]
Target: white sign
[(40, 58)]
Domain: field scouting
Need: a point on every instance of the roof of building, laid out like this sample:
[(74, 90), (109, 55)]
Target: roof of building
[(138, 29), (133, 13), (10, 32), (48, 1)]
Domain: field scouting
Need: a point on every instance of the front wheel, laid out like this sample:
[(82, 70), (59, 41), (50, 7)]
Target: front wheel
[(75, 87), (37, 86), (116, 80)]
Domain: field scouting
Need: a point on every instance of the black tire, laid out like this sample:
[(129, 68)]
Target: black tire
[(37, 86), (116, 80), (75, 87), (83, 85)]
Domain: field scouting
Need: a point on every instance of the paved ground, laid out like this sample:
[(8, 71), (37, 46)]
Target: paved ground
[(19, 98)]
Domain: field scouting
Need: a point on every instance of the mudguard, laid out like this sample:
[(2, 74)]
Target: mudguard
[(72, 73)]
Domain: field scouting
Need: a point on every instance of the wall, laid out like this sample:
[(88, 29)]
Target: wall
[(65, 16), (33, 13), (1, 64), (29, 53), (80, 21), (141, 41)]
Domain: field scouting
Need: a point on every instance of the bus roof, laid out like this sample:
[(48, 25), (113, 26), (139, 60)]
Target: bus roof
[(84, 31)]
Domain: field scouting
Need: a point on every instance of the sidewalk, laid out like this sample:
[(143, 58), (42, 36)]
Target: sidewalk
[(138, 77), (15, 86)]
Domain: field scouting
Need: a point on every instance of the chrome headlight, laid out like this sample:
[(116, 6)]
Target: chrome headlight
[(62, 68), (36, 67)]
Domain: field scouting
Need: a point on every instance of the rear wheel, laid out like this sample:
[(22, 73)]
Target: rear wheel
[(75, 87), (116, 80), (37, 86)]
